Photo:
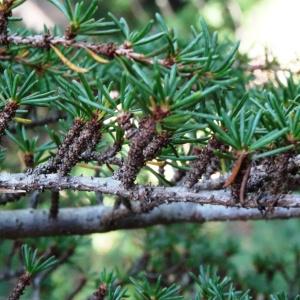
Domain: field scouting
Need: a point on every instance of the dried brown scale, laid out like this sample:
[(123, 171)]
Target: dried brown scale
[(205, 164), (5, 12), (100, 293), (71, 157), (96, 136), (23, 281), (85, 141), (277, 179), (54, 209), (3, 27), (72, 154), (259, 174), (53, 163), (91, 144), (125, 122), (73, 132), (153, 148), (7, 114), (135, 159), (108, 49)]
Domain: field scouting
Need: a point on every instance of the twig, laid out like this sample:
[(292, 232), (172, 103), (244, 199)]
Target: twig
[(109, 50), (81, 283), (54, 209)]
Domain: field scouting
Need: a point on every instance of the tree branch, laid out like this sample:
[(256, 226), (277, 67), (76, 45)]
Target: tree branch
[(148, 196), (150, 206), (85, 220), (44, 41), (109, 50)]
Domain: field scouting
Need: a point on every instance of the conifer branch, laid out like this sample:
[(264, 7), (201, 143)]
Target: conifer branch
[(148, 196), (85, 220), (109, 50)]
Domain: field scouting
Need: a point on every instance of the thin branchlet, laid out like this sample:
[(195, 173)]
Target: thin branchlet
[(87, 140), (43, 42), (106, 156), (157, 143), (100, 293), (23, 281), (81, 283), (206, 163), (53, 164), (7, 114), (73, 132), (135, 159), (5, 13)]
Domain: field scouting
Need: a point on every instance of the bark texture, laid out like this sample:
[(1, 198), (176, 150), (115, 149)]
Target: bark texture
[(97, 219)]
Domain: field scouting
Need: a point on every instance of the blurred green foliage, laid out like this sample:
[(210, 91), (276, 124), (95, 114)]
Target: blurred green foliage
[(262, 257), (223, 15)]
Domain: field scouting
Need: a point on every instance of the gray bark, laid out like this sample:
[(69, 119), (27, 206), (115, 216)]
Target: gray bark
[(84, 220), (150, 196), (149, 206)]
